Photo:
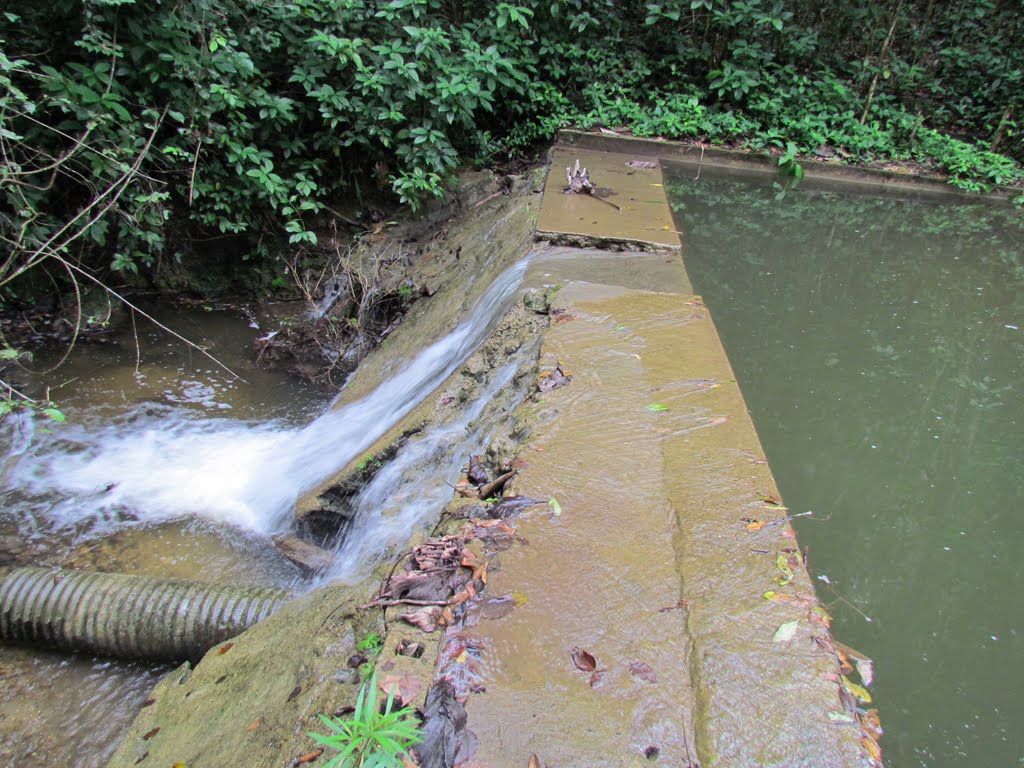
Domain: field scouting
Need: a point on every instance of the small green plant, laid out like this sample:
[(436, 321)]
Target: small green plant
[(788, 165), (371, 738), (371, 644), (368, 464)]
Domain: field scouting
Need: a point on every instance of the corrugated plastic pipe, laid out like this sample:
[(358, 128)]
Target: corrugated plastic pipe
[(114, 614)]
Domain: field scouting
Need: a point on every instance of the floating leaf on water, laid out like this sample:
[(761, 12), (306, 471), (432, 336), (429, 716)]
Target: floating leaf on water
[(555, 506), (866, 670), (841, 717), (582, 660), (657, 407), (786, 631), (857, 690)]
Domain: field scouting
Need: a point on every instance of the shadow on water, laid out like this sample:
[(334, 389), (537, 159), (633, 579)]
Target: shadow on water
[(879, 343)]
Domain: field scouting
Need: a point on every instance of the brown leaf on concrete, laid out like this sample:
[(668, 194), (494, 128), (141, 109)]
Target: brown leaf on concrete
[(309, 757), (446, 741), (872, 724), (555, 379), (534, 761), (642, 671), (405, 688), (582, 660), (254, 725), (425, 618)]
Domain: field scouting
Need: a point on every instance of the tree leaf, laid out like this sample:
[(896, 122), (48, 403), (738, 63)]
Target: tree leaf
[(786, 631), (555, 506), (657, 407)]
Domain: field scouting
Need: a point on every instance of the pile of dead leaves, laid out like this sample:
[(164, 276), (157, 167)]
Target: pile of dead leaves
[(439, 575)]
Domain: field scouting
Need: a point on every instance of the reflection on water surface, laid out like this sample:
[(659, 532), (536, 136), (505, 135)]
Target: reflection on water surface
[(879, 344)]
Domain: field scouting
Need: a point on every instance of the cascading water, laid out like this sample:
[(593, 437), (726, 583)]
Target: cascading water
[(410, 489), (161, 464)]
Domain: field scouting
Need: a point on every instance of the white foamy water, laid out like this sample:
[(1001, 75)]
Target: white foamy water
[(168, 464), (415, 485)]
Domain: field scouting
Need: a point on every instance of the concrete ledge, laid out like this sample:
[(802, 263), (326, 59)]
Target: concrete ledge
[(874, 180)]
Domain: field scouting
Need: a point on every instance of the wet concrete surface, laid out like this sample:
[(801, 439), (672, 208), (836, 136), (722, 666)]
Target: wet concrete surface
[(630, 212), (648, 561)]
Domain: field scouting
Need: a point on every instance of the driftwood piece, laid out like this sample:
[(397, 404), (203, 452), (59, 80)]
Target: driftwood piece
[(579, 180), (489, 489), (580, 184)]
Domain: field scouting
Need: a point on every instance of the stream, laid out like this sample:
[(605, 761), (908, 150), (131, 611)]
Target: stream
[(167, 466)]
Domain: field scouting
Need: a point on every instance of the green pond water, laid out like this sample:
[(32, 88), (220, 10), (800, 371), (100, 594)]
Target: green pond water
[(879, 342)]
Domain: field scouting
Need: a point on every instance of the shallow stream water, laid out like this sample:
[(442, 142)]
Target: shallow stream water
[(879, 343), (169, 466)]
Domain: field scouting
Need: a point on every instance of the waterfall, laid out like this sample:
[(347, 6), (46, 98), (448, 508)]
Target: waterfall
[(162, 464)]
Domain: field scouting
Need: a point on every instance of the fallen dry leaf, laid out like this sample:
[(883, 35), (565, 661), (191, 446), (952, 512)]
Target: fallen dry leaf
[(534, 761), (872, 724), (642, 671), (872, 748), (309, 757), (254, 725), (582, 660), (866, 670), (225, 648), (785, 631), (405, 688)]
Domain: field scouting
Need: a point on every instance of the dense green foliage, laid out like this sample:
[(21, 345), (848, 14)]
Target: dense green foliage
[(128, 128)]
